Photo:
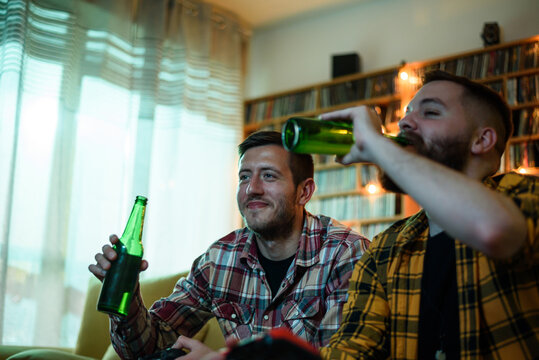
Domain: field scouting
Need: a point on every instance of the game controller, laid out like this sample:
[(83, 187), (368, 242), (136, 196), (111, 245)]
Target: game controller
[(278, 343), (167, 354)]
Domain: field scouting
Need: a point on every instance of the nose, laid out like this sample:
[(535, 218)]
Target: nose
[(254, 187), (408, 122)]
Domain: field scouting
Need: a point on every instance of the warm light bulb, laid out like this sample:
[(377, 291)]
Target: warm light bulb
[(372, 189), (404, 75), (522, 170)]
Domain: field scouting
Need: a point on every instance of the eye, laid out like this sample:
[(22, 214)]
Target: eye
[(268, 176), (430, 113), (243, 177)]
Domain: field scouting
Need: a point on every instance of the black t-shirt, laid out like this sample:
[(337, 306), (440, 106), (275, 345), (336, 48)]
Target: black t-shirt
[(275, 270), (438, 314)]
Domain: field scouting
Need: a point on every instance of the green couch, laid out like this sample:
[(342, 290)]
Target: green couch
[(93, 340)]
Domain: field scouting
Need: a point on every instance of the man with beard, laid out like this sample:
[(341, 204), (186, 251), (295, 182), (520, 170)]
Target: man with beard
[(286, 268), (458, 280)]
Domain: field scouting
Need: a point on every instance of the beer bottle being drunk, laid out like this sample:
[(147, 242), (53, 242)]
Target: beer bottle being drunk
[(305, 135), (121, 278)]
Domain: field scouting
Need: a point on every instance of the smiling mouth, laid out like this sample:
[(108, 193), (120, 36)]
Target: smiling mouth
[(256, 204)]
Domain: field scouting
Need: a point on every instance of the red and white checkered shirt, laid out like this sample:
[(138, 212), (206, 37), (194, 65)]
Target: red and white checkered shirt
[(229, 283)]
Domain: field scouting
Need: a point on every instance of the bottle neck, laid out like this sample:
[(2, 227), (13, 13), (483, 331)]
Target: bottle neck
[(132, 235)]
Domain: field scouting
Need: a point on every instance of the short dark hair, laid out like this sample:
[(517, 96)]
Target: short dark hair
[(301, 165), (491, 101)]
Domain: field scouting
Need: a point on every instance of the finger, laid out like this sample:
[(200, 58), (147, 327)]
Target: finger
[(339, 114), (231, 341), (214, 356), (354, 156), (98, 272), (184, 342), (102, 261), (113, 238), (109, 253), (346, 159)]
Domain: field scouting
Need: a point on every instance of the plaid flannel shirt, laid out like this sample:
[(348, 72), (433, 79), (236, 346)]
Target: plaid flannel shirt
[(498, 300), (229, 283)]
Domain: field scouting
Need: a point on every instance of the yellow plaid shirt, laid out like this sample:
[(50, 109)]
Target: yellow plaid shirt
[(498, 300)]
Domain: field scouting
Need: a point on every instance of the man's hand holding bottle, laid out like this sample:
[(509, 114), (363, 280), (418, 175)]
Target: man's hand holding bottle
[(105, 258)]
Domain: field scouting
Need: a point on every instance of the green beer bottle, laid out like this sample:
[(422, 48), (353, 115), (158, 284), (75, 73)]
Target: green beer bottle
[(305, 135), (121, 278)]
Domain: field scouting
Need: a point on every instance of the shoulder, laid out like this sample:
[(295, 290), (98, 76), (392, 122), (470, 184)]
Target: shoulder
[(401, 233), (226, 247), (333, 230), (335, 235), (232, 239), (514, 183), (522, 189)]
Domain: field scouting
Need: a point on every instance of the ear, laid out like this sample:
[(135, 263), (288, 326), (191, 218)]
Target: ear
[(305, 191), (484, 140)]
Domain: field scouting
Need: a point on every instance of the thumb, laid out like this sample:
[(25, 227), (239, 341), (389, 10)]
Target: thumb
[(347, 159), (143, 265), (183, 342), (231, 341)]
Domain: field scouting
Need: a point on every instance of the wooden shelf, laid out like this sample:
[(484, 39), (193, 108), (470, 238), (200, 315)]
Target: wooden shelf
[(507, 68), (525, 138)]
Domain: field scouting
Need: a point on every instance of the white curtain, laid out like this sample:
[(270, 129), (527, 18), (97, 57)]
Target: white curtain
[(100, 101)]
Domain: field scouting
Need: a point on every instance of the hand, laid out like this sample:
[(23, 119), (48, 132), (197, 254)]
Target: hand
[(367, 126), (197, 350), (105, 258)]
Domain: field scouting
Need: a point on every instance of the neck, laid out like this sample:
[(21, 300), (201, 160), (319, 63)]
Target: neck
[(480, 169)]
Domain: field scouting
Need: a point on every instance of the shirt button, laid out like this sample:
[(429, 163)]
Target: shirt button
[(266, 317), (233, 316)]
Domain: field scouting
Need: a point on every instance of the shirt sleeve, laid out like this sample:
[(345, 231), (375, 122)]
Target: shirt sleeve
[(184, 312), (365, 317), (338, 286)]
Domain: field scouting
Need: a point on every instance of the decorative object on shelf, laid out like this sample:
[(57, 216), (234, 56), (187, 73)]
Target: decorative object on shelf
[(490, 34), (345, 64)]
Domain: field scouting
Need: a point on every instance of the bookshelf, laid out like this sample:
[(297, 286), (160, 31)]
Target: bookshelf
[(512, 69), (270, 112), (352, 193)]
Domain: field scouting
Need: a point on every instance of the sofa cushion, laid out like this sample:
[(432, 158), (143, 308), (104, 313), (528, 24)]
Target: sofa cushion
[(110, 354), (93, 337), (47, 354)]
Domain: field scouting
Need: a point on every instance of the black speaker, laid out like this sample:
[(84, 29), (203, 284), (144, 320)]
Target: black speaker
[(345, 64)]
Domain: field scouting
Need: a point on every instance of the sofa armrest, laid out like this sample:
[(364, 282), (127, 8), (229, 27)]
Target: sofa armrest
[(9, 350)]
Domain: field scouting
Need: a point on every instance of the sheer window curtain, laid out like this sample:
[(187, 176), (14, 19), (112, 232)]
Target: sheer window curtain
[(100, 101)]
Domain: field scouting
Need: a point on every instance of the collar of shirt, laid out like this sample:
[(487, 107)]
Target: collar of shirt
[(416, 227), (309, 244)]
